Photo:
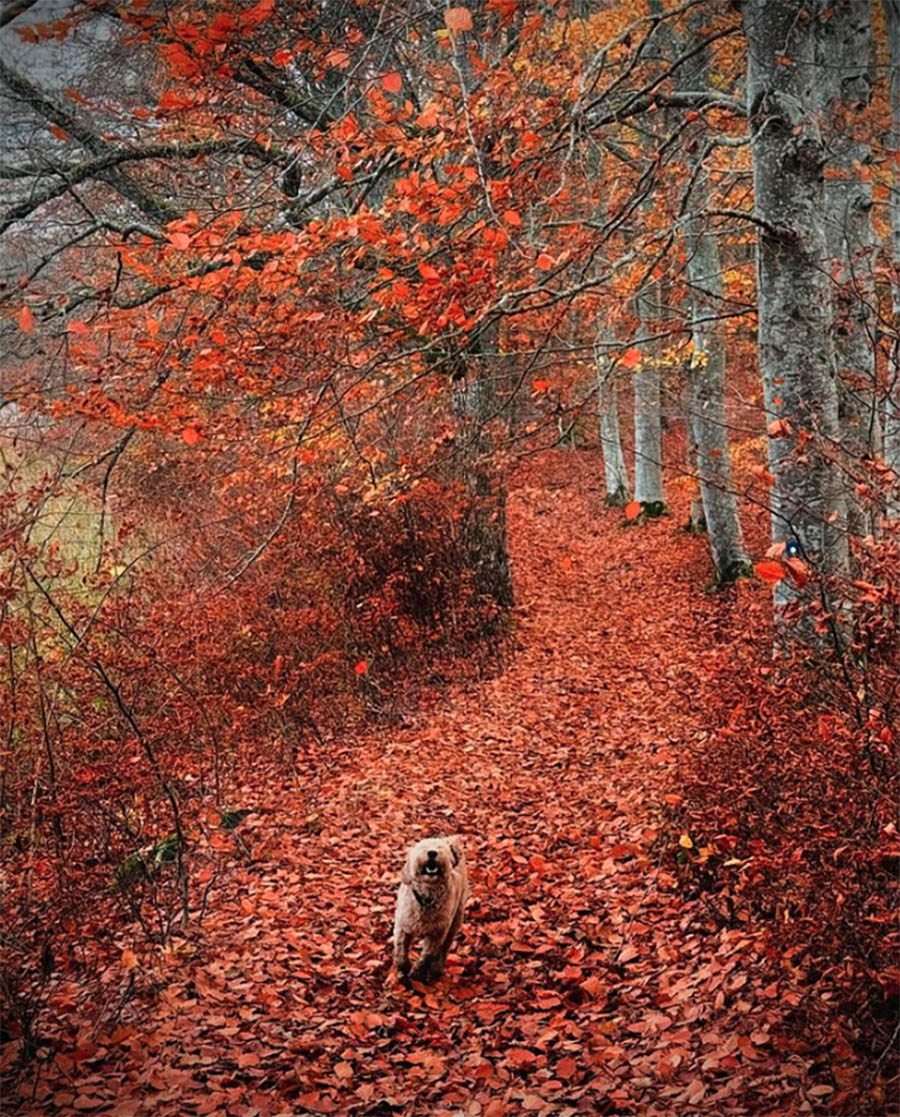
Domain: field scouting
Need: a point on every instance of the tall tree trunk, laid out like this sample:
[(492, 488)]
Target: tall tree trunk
[(485, 526), (795, 353), (706, 401), (648, 479), (846, 54), (892, 400), (614, 468), (707, 422), (475, 406)]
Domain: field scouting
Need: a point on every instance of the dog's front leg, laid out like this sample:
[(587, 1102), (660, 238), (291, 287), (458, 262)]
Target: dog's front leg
[(440, 960), (401, 953), (430, 965)]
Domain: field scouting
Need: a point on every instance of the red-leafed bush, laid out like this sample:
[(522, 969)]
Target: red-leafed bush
[(796, 801), (143, 695)]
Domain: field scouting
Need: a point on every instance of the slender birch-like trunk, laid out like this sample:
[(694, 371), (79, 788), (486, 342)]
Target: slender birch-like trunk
[(648, 479), (795, 352), (616, 474), (706, 380), (706, 402)]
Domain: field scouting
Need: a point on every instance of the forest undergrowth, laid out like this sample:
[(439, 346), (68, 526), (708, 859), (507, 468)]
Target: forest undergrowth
[(615, 958)]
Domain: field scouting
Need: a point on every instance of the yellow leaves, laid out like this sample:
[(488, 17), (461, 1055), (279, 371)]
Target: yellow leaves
[(685, 842), (129, 959)]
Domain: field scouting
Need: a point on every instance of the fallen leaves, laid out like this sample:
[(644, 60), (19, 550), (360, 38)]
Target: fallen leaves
[(584, 977)]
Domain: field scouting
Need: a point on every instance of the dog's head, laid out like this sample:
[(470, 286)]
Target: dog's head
[(431, 861)]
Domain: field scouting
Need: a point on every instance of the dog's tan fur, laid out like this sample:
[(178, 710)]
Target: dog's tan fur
[(430, 906)]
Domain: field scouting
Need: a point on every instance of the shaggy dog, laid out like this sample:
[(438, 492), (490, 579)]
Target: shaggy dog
[(433, 891)]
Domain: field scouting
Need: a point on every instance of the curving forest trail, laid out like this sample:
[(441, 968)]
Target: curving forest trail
[(587, 980)]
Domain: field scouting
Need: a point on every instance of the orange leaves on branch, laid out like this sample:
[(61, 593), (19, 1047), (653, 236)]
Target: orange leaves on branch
[(180, 241), (191, 435), (258, 14), (129, 959), (545, 261), (458, 19), (428, 273), (26, 319), (181, 61), (760, 472), (779, 428), (392, 83), (505, 9), (631, 358), (511, 217), (798, 570), (541, 385), (769, 572), (337, 59), (632, 510), (361, 668)]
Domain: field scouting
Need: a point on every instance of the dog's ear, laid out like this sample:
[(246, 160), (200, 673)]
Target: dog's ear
[(456, 849), (406, 876)]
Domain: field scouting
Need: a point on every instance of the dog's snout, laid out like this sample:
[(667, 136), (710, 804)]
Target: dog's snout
[(432, 866)]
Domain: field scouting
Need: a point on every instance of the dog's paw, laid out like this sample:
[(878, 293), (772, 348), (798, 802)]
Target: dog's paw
[(423, 973)]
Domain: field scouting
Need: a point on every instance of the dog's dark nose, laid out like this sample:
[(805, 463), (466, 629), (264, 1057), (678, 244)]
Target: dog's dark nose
[(432, 854)]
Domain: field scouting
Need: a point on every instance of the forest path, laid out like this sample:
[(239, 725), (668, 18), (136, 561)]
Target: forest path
[(585, 982)]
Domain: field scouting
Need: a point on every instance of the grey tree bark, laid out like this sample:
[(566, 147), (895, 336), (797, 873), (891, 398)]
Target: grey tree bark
[(795, 350), (892, 399), (707, 422), (485, 527), (474, 406), (845, 85), (614, 469), (706, 400), (648, 479)]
